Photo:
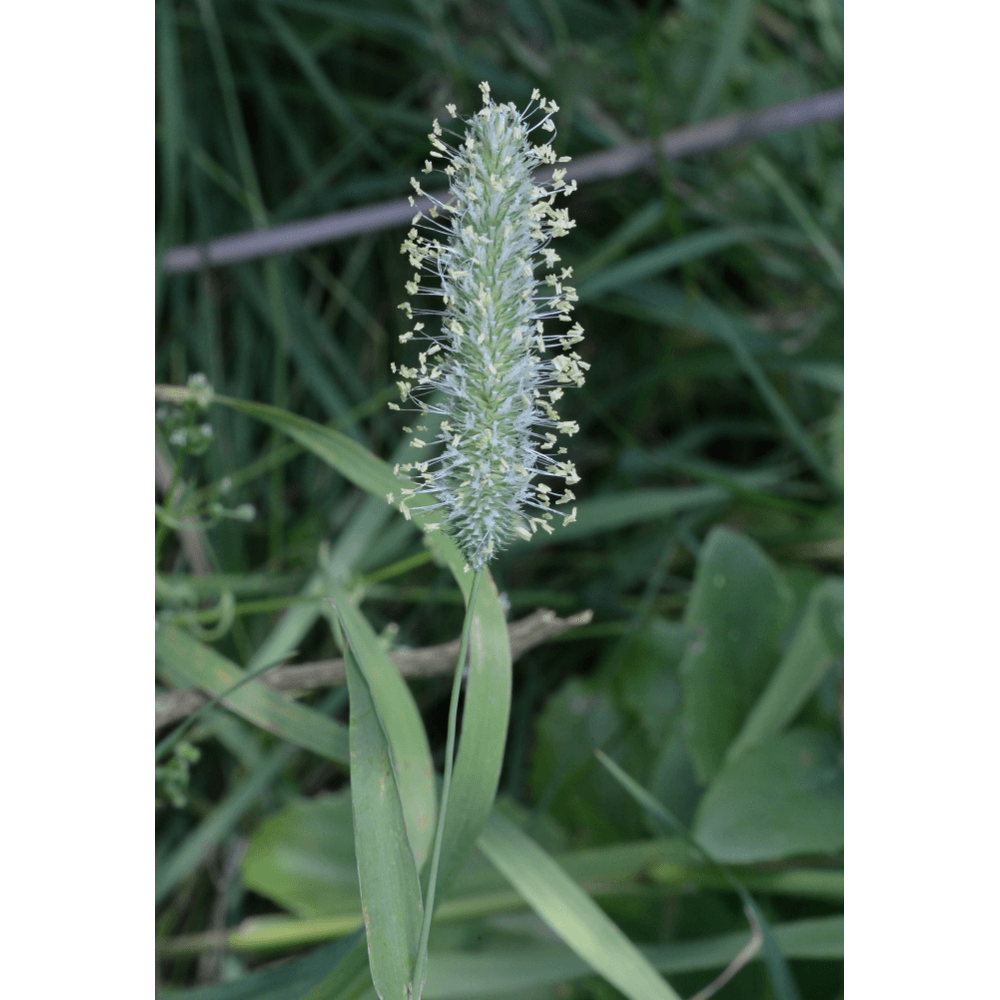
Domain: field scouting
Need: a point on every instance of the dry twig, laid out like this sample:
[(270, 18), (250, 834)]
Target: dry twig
[(615, 162), (430, 661)]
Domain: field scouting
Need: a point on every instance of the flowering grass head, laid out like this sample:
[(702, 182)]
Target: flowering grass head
[(495, 358)]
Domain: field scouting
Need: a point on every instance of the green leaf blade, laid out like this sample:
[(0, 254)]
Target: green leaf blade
[(799, 673), (783, 798), (399, 716), (570, 912), (485, 718), (739, 608), (204, 668), (391, 903)]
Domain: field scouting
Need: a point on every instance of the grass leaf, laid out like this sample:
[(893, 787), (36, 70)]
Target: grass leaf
[(409, 750), (570, 912), (204, 668), (805, 663), (738, 609), (390, 887)]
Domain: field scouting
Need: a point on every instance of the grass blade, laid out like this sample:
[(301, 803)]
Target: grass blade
[(409, 750), (802, 215), (487, 697), (390, 887), (289, 981), (458, 975), (570, 912), (169, 742), (321, 85), (778, 407), (187, 658), (485, 716), (645, 265), (728, 46), (220, 822)]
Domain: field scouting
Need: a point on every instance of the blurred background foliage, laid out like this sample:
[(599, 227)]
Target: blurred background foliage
[(710, 537)]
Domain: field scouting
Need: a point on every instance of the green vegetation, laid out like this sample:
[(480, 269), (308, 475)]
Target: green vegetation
[(669, 774)]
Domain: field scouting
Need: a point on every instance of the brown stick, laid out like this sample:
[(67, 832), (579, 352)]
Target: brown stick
[(431, 661), (701, 138)]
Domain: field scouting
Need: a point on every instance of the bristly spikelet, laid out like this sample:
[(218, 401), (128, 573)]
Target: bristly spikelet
[(485, 372)]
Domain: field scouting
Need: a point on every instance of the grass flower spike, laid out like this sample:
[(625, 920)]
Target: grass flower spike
[(497, 366)]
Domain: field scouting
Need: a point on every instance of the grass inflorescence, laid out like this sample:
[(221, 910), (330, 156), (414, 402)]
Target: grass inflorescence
[(485, 371)]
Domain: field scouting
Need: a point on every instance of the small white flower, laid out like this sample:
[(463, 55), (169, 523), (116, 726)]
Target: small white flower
[(245, 512)]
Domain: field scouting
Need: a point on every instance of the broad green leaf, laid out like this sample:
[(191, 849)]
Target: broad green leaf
[(830, 614), (390, 887), (303, 858), (648, 683), (580, 717), (805, 663), (570, 912), (782, 798), (202, 667), (404, 729), (646, 679), (738, 609), (672, 779)]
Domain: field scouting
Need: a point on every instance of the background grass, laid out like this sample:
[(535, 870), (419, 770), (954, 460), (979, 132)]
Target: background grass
[(711, 299)]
